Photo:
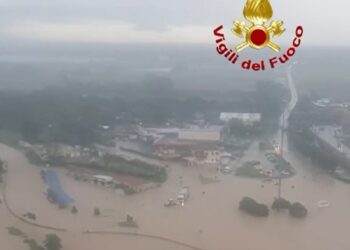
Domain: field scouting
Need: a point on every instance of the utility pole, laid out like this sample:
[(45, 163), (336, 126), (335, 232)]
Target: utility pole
[(281, 153)]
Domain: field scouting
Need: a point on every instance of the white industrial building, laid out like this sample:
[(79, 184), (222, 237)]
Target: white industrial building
[(246, 118)]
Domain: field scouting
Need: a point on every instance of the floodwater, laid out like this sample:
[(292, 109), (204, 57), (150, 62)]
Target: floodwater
[(209, 220)]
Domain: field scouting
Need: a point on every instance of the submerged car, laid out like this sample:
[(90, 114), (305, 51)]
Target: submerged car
[(227, 170)]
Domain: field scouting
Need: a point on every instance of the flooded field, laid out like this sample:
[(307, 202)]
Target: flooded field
[(209, 220)]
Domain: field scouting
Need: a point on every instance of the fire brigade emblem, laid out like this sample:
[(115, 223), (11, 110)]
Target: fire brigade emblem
[(257, 34)]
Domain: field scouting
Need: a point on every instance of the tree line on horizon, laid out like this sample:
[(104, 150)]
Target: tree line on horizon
[(73, 114)]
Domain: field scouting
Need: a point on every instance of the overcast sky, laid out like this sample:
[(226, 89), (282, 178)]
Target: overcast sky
[(167, 21)]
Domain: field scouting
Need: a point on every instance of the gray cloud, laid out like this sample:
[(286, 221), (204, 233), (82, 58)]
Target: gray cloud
[(161, 17)]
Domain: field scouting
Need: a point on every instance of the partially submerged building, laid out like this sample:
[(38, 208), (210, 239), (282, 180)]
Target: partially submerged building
[(104, 179), (195, 145)]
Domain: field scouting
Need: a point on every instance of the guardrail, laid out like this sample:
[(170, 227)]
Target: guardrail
[(149, 236)]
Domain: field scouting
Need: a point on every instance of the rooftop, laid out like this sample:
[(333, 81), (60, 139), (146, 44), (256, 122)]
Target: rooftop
[(208, 134), (246, 117)]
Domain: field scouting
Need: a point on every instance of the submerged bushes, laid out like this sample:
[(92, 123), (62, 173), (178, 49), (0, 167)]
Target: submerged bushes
[(250, 206), (280, 204), (297, 210)]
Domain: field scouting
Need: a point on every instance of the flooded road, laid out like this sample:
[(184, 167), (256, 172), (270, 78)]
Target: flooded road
[(283, 121)]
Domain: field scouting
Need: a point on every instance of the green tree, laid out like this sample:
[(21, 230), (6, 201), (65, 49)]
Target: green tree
[(33, 245), (52, 242), (1, 167), (97, 211), (74, 210), (280, 204), (297, 210), (250, 206)]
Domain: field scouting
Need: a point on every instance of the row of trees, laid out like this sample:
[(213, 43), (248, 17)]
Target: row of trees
[(321, 154), (303, 117), (296, 209), (72, 114), (252, 207)]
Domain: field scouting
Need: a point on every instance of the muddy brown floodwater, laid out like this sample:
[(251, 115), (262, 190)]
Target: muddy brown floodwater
[(209, 220)]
